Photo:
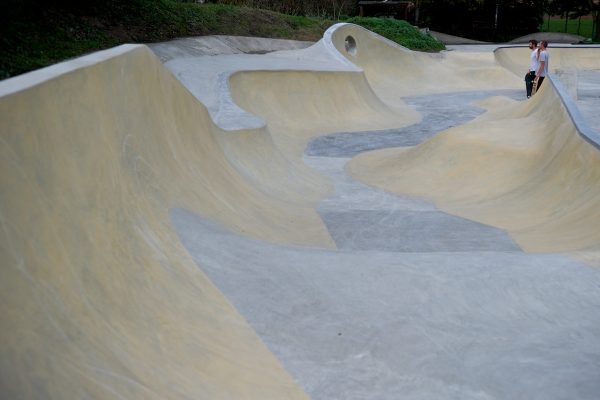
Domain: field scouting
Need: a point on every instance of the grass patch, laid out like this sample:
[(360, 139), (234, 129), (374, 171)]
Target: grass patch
[(573, 27), (34, 35), (400, 32), (39, 45)]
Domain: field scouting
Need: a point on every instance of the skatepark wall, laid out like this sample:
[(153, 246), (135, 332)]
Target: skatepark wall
[(98, 297)]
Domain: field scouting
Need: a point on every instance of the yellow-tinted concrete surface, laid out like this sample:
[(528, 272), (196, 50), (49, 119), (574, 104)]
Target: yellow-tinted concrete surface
[(301, 105), (98, 297)]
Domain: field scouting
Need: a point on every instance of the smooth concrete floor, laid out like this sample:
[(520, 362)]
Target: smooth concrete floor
[(415, 303), (353, 324)]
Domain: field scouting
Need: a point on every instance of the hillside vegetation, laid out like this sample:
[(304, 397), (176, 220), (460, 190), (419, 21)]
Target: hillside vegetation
[(35, 34)]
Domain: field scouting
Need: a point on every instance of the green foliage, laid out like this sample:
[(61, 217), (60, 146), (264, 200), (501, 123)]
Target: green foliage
[(315, 8), (400, 32), (28, 44), (490, 20), (558, 25), (573, 9), (34, 34), (298, 22)]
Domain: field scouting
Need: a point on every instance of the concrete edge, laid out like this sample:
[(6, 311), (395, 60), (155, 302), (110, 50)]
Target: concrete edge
[(581, 125), (227, 108), (330, 47)]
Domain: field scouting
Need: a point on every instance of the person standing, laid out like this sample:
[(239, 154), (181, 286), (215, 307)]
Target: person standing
[(542, 57), (533, 66)]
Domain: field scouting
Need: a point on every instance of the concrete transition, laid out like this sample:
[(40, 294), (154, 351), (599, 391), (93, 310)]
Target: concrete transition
[(351, 220), (551, 37)]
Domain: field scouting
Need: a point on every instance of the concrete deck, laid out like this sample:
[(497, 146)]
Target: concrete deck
[(350, 220)]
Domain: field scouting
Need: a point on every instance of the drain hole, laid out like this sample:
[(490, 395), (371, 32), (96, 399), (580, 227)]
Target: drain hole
[(350, 45)]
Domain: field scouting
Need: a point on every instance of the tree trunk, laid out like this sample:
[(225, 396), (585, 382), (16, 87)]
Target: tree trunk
[(596, 27)]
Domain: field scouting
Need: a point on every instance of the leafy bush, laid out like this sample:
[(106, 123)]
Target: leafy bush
[(400, 32), (314, 8)]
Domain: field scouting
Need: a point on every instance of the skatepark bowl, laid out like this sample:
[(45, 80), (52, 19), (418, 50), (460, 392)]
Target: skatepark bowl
[(347, 220)]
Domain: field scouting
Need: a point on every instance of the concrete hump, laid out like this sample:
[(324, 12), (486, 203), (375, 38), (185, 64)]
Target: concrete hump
[(551, 37)]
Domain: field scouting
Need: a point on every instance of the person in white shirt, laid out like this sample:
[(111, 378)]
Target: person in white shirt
[(543, 57), (533, 66)]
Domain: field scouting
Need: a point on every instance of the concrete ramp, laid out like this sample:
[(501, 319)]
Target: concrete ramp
[(352, 220), (99, 298)]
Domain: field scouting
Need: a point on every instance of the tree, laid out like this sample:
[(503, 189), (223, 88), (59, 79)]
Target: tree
[(417, 11), (477, 18), (570, 9), (576, 9), (595, 10)]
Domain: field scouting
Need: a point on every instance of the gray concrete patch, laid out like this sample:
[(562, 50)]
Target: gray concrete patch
[(380, 325), (408, 231), (352, 195), (440, 112), (360, 217)]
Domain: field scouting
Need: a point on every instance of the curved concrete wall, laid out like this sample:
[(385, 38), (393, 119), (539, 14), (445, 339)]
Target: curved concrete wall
[(98, 297)]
